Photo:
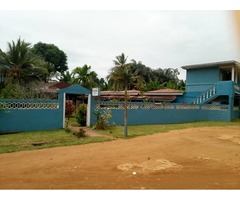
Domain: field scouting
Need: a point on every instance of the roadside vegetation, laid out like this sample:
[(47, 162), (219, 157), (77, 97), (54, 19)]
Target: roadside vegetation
[(46, 139), (42, 139), (140, 130)]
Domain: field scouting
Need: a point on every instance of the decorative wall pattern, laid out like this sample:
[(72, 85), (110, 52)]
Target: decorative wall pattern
[(28, 105), (157, 106)]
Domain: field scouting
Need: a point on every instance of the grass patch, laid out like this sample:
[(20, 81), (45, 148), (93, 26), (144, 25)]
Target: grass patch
[(73, 121), (138, 130), (46, 139), (42, 139)]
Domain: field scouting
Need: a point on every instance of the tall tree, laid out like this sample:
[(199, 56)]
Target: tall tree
[(66, 77), (122, 77), (140, 69), (56, 58), (21, 64), (85, 77)]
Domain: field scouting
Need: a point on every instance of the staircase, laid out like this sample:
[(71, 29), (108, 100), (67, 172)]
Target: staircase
[(206, 96)]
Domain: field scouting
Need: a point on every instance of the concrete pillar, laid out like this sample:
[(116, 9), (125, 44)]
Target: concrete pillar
[(89, 110), (236, 76), (64, 103), (233, 74)]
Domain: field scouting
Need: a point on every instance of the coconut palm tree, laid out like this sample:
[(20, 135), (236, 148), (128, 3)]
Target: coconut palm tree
[(66, 77), (122, 76), (22, 65), (85, 77)]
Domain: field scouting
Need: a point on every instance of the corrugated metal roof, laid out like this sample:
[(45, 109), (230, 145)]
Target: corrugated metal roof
[(212, 64), (112, 92), (166, 90)]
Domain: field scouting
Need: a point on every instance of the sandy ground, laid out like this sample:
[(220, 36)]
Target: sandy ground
[(198, 158)]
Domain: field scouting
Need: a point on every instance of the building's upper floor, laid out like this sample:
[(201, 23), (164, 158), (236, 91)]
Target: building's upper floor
[(201, 77)]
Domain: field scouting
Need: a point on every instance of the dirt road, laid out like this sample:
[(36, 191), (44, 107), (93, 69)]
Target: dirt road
[(199, 158)]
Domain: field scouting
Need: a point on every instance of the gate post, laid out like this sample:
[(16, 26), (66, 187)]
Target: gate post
[(89, 110), (61, 100)]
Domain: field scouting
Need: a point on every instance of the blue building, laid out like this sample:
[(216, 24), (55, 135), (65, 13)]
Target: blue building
[(213, 83), (212, 93)]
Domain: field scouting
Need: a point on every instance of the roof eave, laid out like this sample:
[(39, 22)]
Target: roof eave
[(213, 64)]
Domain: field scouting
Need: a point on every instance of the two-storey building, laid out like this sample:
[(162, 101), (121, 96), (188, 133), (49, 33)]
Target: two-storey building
[(215, 83)]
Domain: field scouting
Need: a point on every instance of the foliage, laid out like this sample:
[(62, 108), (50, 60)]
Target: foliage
[(56, 58), (85, 77), (155, 79), (103, 85), (69, 108), (122, 76), (73, 121), (65, 76), (121, 73), (80, 133), (138, 130), (153, 84), (102, 119), (24, 91), (24, 141), (82, 114), (21, 65)]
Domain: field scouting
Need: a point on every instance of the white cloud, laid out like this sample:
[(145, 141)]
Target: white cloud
[(157, 38)]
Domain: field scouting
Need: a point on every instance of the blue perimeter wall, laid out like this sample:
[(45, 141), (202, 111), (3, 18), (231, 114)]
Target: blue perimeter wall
[(30, 115), (172, 113)]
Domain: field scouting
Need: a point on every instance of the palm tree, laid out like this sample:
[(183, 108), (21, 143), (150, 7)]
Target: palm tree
[(22, 65), (66, 77), (141, 70), (122, 77), (85, 77)]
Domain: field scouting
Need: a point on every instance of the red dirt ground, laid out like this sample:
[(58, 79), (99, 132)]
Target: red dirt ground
[(198, 158)]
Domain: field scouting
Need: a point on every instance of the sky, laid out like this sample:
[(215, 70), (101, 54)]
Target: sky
[(157, 38)]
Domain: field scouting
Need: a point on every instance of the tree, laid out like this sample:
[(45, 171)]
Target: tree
[(171, 74), (122, 77), (66, 77), (56, 58), (85, 77), (103, 85), (140, 69), (153, 84), (21, 64), (155, 79)]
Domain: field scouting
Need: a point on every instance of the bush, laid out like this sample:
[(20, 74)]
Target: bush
[(80, 133), (102, 119), (69, 110), (82, 115), (24, 91)]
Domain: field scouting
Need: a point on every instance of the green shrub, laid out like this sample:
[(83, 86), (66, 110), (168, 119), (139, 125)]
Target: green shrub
[(69, 110), (103, 119), (82, 115), (80, 133)]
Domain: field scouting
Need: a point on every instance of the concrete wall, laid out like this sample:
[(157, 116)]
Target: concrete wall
[(30, 115), (199, 80), (150, 113)]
